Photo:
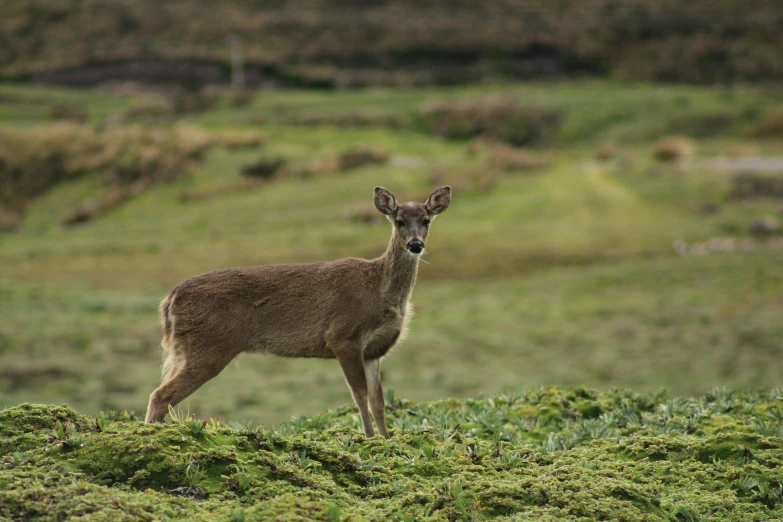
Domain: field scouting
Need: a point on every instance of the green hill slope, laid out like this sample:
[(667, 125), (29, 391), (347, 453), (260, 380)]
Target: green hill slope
[(546, 454), (552, 265)]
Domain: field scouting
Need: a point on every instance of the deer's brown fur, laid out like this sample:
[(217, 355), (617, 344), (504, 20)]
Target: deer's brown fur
[(353, 310)]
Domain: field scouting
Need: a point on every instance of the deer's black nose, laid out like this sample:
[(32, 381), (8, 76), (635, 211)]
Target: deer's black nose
[(415, 246)]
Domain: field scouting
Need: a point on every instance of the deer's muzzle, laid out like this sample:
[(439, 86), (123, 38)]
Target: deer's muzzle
[(415, 246)]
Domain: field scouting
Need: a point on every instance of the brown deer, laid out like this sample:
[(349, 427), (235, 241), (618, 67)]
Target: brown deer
[(353, 310)]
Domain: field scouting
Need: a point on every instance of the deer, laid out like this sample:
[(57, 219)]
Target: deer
[(353, 310)]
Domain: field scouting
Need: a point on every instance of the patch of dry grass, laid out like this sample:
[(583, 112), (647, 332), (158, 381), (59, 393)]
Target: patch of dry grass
[(192, 195), (771, 126), (31, 162), (503, 158), (464, 178), (146, 110), (240, 139), (673, 148), (606, 152)]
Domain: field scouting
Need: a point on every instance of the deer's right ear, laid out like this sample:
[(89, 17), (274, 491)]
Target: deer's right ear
[(384, 201)]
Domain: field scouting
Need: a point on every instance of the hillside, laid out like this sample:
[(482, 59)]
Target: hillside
[(578, 260), (545, 454), (351, 43)]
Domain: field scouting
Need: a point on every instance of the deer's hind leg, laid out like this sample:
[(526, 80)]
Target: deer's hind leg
[(187, 372)]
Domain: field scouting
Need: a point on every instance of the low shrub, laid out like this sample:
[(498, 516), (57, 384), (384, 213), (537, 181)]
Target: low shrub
[(766, 226), (264, 168), (496, 119), (9, 221), (771, 126), (606, 152), (156, 109), (673, 148), (360, 156), (68, 112), (757, 185)]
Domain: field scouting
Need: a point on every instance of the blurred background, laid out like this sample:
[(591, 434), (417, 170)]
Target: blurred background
[(617, 168)]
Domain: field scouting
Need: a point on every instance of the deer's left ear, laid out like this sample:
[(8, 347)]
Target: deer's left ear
[(439, 200)]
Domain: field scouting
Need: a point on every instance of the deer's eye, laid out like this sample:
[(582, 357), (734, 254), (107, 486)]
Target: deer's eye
[(400, 223), (426, 222)]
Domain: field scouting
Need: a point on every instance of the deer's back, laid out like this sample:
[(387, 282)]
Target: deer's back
[(288, 310)]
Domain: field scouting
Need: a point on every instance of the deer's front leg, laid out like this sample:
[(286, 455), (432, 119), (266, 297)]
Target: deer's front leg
[(352, 361), (372, 370)]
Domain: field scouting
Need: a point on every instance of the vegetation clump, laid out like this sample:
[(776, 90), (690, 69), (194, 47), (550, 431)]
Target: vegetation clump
[(68, 112), (360, 156), (149, 110), (549, 454), (757, 185), (264, 168), (766, 226), (504, 158), (133, 158), (498, 119), (673, 148), (33, 161), (234, 140), (771, 126)]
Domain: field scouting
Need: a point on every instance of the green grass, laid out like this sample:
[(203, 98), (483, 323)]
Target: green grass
[(563, 275), (544, 454)]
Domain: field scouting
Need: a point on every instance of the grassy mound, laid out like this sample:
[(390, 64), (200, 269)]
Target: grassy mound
[(547, 454)]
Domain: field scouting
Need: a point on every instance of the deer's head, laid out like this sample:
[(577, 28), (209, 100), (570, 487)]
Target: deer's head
[(412, 220)]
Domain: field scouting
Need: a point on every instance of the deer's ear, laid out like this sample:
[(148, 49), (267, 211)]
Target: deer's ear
[(439, 200), (384, 201)]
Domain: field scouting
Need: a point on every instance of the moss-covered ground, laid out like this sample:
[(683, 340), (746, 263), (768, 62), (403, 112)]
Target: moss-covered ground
[(545, 454)]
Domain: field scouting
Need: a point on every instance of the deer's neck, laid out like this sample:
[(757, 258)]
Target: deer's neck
[(399, 274)]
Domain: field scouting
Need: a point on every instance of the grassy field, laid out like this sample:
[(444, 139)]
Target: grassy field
[(545, 454), (560, 273)]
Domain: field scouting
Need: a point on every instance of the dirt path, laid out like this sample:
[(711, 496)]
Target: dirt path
[(769, 164)]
